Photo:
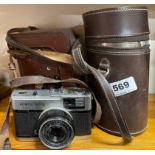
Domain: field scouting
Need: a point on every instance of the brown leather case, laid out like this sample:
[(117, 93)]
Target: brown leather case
[(120, 25), (116, 22), (53, 40)]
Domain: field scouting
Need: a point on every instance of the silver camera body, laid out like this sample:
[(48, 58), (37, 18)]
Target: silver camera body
[(55, 116)]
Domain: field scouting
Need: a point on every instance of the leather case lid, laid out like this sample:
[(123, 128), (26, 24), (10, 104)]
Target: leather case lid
[(57, 40), (116, 22)]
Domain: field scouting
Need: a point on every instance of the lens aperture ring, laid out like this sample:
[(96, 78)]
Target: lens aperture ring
[(56, 132)]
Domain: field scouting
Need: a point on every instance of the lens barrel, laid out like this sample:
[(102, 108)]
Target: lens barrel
[(56, 130)]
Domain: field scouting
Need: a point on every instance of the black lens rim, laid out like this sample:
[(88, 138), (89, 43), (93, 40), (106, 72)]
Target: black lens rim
[(56, 134)]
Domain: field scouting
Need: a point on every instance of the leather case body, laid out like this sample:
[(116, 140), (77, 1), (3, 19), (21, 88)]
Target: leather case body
[(119, 26), (52, 40)]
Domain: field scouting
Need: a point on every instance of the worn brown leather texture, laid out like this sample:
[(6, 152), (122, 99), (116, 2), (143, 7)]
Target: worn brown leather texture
[(49, 40), (124, 24), (116, 22)]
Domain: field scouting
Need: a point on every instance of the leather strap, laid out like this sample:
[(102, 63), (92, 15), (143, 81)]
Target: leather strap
[(27, 51), (4, 131), (28, 80), (106, 90), (82, 67)]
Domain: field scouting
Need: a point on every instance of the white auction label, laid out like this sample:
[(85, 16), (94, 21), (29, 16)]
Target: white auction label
[(124, 86)]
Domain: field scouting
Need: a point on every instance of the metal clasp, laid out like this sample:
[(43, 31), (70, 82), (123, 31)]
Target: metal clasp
[(104, 66)]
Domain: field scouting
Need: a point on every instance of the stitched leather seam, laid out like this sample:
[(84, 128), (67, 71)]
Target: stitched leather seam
[(76, 62), (100, 81), (111, 105), (114, 11), (123, 54), (117, 35), (119, 53), (115, 132), (82, 62)]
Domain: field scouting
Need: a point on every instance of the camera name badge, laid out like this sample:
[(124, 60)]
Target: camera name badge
[(124, 86)]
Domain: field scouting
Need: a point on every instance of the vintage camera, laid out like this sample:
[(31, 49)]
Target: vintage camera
[(54, 116)]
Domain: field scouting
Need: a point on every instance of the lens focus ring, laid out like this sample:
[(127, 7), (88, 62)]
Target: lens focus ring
[(56, 132)]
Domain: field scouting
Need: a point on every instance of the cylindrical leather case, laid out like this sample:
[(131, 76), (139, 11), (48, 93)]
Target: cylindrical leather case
[(120, 35)]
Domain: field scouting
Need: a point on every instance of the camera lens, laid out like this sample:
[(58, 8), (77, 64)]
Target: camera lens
[(56, 134), (56, 129)]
